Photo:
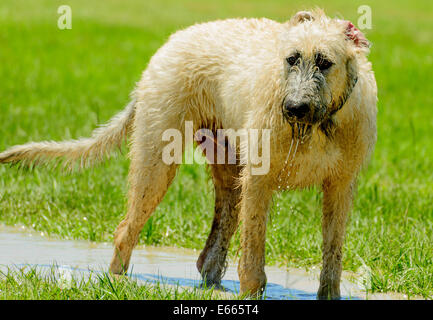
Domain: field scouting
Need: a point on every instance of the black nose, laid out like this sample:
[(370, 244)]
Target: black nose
[(298, 110)]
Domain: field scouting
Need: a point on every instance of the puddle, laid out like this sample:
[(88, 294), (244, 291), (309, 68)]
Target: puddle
[(172, 266)]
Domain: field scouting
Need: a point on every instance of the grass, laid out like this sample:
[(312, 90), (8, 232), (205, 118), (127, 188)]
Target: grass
[(60, 84), (33, 284)]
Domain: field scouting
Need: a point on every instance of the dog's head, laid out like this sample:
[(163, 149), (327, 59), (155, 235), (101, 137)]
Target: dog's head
[(320, 66)]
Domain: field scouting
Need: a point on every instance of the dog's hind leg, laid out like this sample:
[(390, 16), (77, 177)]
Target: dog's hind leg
[(149, 179), (212, 260)]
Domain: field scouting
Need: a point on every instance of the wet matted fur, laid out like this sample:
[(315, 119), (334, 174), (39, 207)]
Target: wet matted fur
[(307, 80)]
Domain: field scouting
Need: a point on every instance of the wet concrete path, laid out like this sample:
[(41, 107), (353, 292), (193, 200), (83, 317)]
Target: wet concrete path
[(173, 266)]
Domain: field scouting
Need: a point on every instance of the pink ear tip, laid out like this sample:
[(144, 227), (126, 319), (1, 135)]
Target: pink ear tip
[(356, 35)]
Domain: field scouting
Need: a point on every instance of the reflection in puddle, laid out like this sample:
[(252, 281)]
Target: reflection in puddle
[(170, 266)]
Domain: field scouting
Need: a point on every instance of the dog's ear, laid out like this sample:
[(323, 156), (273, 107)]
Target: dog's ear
[(355, 35), (360, 42), (301, 17), (351, 80)]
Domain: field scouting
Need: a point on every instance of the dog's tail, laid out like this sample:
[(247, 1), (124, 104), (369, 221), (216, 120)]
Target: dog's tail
[(79, 153)]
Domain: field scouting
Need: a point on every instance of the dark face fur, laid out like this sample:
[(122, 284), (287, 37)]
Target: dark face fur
[(308, 95), (320, 72)]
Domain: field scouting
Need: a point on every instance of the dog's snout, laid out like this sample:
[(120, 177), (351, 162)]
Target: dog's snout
[(298, 110)]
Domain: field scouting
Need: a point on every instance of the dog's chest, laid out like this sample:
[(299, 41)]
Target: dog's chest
[(309, 166)]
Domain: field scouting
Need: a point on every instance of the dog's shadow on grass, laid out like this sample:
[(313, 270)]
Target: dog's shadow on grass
[(272, 292)]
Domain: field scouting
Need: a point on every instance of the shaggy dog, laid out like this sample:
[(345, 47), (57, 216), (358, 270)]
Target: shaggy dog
[(307, 80)]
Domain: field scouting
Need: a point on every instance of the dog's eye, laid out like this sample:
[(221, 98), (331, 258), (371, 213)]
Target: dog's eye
[(292, 59), (322, 63)]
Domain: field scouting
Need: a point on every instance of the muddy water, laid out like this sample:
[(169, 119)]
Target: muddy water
[(173, 266)]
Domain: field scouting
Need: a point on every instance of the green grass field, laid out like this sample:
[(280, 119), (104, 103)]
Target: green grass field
[(33, 284), (59, 84)]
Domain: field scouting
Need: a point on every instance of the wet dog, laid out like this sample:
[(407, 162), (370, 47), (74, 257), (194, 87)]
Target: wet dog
[(307, 80)]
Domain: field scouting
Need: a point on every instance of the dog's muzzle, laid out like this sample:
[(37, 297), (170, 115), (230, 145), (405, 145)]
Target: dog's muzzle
[(298, 110), (302, 112)]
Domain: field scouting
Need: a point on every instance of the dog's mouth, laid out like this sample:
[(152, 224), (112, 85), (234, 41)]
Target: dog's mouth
[(300, 130)]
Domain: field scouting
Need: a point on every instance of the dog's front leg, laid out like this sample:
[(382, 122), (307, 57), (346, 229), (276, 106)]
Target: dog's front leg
[(255, 201), (337, 200)]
